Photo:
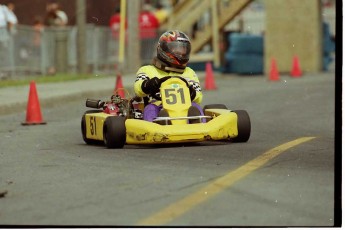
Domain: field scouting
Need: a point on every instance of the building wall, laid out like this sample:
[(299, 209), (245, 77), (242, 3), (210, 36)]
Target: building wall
[(293, 27)]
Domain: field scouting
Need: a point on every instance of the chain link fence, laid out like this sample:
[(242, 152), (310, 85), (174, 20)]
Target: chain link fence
[(32, 52)]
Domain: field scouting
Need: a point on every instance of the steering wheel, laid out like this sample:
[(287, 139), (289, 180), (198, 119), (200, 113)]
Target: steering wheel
[(163, 79)]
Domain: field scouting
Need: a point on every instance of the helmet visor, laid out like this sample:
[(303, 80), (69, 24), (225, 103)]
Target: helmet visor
[(179, 49)]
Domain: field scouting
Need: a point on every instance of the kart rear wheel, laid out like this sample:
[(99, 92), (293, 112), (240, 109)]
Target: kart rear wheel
[(243, 126), (83, 128), (114, 132)]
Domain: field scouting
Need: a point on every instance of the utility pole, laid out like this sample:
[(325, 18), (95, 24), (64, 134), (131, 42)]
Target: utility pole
[(133, 44), (215, 34), (81, 36)]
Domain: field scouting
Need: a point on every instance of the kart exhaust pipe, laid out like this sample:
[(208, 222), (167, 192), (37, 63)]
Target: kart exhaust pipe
[(92, 103)]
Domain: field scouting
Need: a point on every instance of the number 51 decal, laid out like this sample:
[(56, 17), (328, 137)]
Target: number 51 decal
[(93, 126), (172, 95)]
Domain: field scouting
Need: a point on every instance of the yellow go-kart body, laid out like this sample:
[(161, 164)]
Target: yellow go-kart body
[(178, 127), (221, 127)]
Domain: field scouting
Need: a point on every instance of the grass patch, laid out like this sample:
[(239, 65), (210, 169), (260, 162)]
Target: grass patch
[(46, 79)]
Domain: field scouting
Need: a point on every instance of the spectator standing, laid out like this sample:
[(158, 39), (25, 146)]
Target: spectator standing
[(161, 13), (4, 15), (4, 37), (55, 17), (114, 23), (148, 24), (38, 27), (11, 19), (62, 15), (8, 22)]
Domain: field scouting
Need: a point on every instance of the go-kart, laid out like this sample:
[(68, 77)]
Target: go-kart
[(120, 121)]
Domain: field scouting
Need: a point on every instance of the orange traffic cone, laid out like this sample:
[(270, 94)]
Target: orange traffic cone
[(296, 70), (119, 86), (33, 110), (209, 79), (274, 73)]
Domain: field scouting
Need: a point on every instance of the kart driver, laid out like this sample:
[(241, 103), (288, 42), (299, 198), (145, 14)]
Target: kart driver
[(173, 51)]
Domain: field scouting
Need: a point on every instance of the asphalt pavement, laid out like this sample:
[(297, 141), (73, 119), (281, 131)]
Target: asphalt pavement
[(52, 178)]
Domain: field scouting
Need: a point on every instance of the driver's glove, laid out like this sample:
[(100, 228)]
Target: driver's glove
[(192, 92), (151, 86)]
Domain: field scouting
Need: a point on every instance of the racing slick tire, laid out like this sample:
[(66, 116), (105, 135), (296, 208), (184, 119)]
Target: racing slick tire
[(83, 128), (243, 126), (114, 132), (214, 106)]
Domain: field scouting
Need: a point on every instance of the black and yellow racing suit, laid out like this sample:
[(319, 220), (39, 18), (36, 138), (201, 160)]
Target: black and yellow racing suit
[(149, 71)]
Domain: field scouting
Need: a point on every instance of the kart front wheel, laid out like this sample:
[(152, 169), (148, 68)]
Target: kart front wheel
[(114, 132), (243, 126)]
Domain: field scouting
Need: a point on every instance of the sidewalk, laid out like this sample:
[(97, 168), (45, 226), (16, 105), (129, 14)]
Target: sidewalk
[(14, 99)]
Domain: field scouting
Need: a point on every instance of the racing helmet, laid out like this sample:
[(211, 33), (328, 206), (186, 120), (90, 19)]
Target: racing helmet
[(174, 48)]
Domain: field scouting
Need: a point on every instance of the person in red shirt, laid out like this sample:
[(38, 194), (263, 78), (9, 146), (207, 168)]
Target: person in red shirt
[(114, 23), (149, 25)]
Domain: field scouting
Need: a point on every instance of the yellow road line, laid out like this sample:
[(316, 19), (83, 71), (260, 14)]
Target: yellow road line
[(180, 207)]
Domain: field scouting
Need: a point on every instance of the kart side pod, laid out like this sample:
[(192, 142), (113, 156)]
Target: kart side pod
[(221, 127)]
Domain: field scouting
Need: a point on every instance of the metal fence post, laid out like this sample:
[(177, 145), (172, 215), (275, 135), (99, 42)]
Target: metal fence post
[(11, 51), (61, 50), (81, 36), (133, 37), (43, 53), (95, 43)]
